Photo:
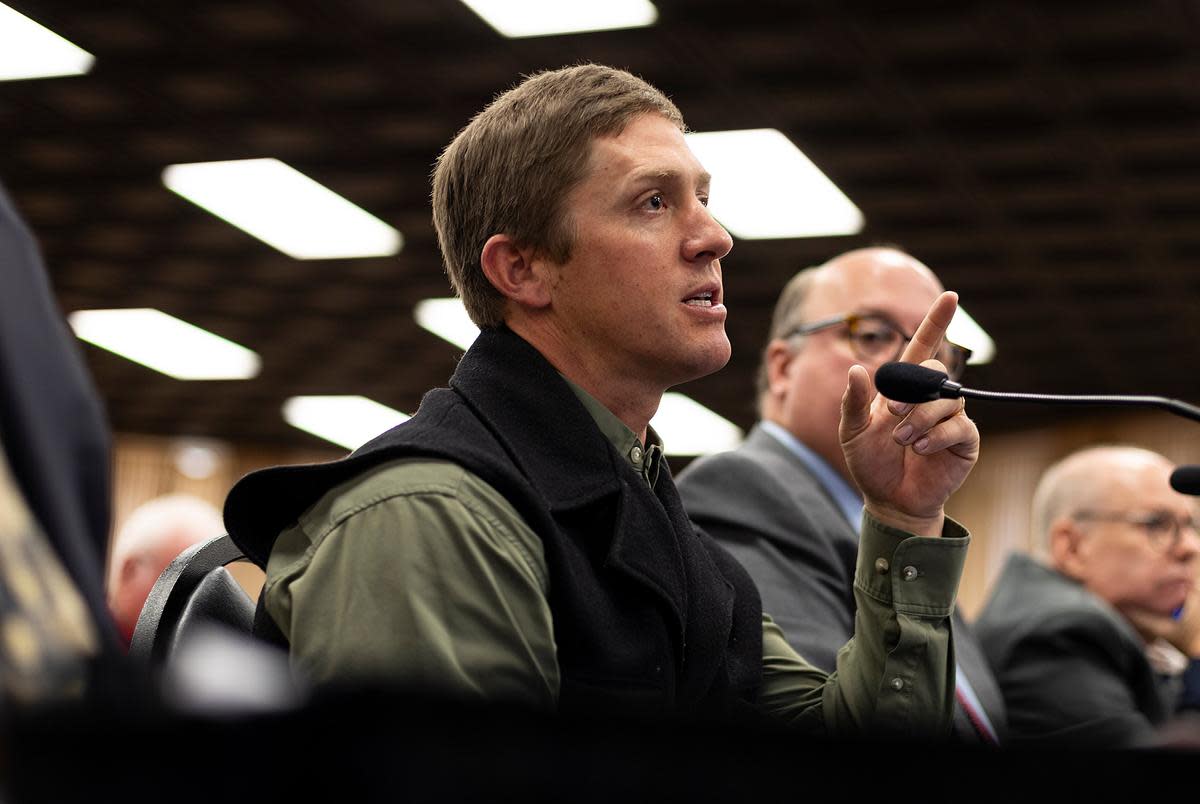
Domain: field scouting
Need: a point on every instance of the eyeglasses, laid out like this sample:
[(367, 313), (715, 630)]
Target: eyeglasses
[(875, 336), (1163, 529)]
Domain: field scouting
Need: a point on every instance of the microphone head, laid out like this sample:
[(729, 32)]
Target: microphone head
[(1186, 480), (908, 382)]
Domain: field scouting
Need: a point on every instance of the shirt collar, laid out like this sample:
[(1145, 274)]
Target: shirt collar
[(847, 498), (645, 460)]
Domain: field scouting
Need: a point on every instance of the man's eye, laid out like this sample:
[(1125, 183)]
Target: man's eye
[(703, 200), (656, 201), (873, 336), (1160, 522)]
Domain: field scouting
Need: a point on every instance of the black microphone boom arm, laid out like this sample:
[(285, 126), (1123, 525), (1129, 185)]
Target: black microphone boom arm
[(1171, 405), (908, 382)]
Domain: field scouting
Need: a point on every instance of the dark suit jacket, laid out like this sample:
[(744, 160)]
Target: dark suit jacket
[(52, 424), (1072, 669), (765, 507)]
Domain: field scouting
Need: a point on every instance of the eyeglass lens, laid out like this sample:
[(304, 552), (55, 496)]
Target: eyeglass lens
[(874, 336)]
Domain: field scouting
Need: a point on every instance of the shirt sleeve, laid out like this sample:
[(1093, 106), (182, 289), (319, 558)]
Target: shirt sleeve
[(895, 676), (418, 574)]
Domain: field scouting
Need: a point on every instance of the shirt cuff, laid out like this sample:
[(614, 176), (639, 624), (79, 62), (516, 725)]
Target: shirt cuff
[(916, 575)]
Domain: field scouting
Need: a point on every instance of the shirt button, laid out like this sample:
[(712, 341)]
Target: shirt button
[(909, 573), (636, 454), (882, 566), (897, 683)]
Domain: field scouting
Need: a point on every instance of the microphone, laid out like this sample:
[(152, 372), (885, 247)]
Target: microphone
[(1186, 480), (909, 382)]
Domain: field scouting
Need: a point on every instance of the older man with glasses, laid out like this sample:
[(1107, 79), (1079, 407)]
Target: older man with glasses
[(1069, 631), (785, 504)]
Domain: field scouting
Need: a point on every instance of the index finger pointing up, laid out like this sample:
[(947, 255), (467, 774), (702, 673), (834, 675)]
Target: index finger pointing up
[(928, 338)]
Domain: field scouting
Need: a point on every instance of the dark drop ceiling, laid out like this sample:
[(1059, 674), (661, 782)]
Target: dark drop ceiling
[(1043, 158)]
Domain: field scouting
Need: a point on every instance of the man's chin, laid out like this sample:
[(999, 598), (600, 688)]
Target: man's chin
[(714, 360), (700, 360)]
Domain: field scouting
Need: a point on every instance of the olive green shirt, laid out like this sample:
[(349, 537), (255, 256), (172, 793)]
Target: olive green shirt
[(419, 572)]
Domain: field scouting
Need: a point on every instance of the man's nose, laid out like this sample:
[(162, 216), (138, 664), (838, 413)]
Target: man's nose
[(707, 239), (1189, 542)]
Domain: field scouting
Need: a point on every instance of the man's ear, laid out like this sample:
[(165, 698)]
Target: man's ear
[(1066, 542), (779, 358), (515, 271)]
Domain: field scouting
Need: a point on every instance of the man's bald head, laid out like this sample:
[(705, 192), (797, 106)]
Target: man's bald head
[(1088, 480), (147, 541), (802, 378), (837, 279), (1107, 518)]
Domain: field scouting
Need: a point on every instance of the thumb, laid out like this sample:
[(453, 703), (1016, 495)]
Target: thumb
[(856, 404)]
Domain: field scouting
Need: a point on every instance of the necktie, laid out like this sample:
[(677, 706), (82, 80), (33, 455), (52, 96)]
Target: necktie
[(986, 734)]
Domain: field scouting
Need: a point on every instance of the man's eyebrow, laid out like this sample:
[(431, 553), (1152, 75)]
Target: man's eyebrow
[(704, 178), (871, 311)]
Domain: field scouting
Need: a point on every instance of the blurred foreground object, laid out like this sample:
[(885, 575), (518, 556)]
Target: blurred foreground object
[(46, 635), (52, 424)]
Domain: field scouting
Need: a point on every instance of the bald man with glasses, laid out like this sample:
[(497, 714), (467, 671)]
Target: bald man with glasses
[(1069, 630), (785, 504)]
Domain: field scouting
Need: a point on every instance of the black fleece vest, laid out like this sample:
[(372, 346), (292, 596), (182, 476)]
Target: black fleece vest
[(648, 612)]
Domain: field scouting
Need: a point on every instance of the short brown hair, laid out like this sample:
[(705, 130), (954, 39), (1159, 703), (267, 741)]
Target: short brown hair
[(509, 169)]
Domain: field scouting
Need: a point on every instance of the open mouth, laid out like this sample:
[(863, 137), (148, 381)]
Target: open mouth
[(704, 299)]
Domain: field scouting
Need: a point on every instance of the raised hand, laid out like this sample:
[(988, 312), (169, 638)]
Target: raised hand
[(908, 459)]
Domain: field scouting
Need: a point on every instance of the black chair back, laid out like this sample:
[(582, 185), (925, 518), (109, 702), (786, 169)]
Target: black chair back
[(194, 588)]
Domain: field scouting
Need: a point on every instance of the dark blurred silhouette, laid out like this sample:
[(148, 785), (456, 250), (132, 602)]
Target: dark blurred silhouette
[(46, 636), (52, 423)]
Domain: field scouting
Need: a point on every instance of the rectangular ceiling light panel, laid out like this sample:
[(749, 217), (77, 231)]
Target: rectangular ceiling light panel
[(448, 319), (29, 50), (166, 344), (348, 421), (763, 186), (521, 18), (965, 331), (284, 208)]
